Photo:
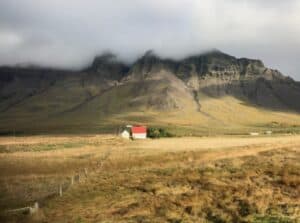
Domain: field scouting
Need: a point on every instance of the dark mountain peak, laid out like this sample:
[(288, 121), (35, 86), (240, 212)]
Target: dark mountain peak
[(217, 56), (149, 58), (108, 66), (149, 54), (214, 53), (105, 58), (146, 64), (217, 63)]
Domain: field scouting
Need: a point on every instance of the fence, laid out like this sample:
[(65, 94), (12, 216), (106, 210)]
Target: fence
[(77, 178)]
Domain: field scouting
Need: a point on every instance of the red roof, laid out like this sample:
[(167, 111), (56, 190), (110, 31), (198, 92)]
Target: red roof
[(139, 129)]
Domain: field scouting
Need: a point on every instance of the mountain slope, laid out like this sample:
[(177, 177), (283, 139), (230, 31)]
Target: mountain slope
[(212, 91)]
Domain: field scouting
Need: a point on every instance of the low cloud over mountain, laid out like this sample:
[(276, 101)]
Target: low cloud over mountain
[(61, 33)]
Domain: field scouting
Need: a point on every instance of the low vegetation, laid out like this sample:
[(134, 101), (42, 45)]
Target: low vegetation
[(153, 133), (216, 179)]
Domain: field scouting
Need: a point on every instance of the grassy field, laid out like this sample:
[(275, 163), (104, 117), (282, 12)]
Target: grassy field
[(107, 113), (188, 179)]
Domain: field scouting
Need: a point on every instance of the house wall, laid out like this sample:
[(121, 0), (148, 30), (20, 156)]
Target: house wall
[(125, 134), (139, 135)]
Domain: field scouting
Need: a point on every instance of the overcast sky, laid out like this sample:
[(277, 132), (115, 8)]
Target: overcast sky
[(69, 33)]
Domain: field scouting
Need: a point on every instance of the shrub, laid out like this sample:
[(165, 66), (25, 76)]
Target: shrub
[(153, 132)]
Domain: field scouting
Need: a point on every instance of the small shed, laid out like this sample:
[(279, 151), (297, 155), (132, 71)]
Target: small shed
[(139, 132), (125, 134)]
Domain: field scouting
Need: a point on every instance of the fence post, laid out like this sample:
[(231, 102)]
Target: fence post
[(60, 190), (72, 180), (36, 205), (85, 172), (34, 209)]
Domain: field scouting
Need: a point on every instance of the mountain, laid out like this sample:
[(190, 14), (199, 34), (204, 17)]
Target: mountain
[(196, 94)]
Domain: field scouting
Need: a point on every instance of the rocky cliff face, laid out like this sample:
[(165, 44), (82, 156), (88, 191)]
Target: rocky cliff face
[(217, 74), (154, 83), (213, 64)]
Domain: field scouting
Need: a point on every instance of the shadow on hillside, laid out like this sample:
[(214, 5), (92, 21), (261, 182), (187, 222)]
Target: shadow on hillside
[(275, 95)]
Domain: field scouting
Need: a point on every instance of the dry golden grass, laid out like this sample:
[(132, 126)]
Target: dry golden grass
[(209, 179)]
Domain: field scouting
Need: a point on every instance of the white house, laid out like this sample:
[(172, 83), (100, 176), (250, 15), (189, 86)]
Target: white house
[(125, 134)]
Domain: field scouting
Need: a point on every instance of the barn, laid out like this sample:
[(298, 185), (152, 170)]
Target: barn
[(139, 132)]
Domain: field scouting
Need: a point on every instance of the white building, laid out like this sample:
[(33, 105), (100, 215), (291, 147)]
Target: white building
[(125, 134)]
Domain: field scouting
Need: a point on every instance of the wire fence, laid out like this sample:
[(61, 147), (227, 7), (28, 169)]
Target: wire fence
[(62, 187)]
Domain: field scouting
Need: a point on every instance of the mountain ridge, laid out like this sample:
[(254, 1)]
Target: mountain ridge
[(109, 89)]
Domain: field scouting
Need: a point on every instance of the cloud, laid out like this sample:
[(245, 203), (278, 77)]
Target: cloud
[(9, 40), (70, 33)]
